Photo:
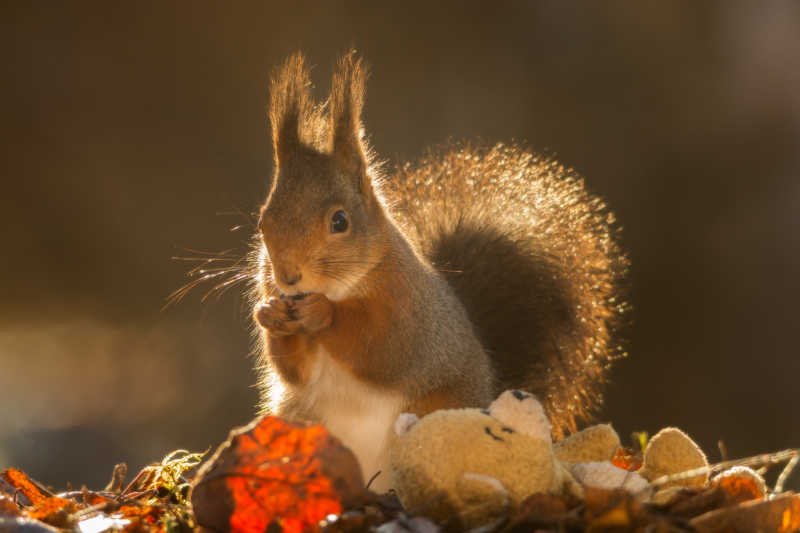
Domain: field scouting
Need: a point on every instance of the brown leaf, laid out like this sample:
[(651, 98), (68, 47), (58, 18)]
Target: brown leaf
[(740, 485), (8, 507), (142, 517), (53, 510), (612, 510), (599, 501), (543, 506), (689, 503), (731, 488), (781, 515), (540, 511)]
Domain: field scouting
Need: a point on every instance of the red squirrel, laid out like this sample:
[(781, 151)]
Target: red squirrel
[(437, 285)]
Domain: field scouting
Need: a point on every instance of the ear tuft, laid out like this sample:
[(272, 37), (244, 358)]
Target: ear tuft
[(346, 104), (290, 102)]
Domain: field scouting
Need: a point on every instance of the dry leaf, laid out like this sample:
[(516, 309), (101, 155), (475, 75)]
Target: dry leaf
[(781, 515), (53, 510), (44, 507), (619, 510), (275, 472), (8, 507), (740, 484), (23, 485), (543, 511)]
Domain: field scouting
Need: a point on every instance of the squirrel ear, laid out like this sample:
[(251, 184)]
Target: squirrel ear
[(346, 103), (290, 100)]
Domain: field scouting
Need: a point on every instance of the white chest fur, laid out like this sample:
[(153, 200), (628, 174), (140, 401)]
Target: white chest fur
[(358, 414)]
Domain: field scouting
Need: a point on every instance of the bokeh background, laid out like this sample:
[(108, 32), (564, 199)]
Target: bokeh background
[(133, 131)]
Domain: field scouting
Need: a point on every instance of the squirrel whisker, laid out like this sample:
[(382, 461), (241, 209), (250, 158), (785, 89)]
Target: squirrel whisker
[(240, 270)]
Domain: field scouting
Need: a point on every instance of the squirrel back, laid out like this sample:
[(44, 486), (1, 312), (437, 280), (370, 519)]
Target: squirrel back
[(534, 259)]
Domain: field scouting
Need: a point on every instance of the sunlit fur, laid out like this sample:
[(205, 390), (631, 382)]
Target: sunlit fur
[(535, 260), (397, 339), (483, 254)]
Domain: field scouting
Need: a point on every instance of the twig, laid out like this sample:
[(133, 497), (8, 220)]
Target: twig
[(786, 471), (790, 455)]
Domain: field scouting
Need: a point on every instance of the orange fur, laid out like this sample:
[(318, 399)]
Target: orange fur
[(365, 324)]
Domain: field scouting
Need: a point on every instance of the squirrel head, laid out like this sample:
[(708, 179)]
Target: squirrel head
[(321, 226)]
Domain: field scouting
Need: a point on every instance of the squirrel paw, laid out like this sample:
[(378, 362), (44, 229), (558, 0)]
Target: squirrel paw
[(275, 317), (314, 312)]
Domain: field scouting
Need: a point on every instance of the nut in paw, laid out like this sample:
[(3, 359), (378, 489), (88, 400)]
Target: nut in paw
[(314, 312), (275, 317)]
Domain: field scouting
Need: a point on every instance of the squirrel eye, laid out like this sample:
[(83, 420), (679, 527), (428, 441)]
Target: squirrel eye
[(339, 222)]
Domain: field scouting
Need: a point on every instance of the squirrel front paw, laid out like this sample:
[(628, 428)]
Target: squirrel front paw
[(314, 312), (275, 316), (287, 315)]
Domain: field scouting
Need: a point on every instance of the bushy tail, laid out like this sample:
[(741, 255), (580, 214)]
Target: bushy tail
[(535, 260)]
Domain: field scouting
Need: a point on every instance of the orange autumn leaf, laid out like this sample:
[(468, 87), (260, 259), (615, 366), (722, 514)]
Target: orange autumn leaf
[(146, 512), (49, 509), (740, 486), (279, 479), (92, 498), (627, 459), (142, 517), (52, 510), (276, 472), (20, 481)]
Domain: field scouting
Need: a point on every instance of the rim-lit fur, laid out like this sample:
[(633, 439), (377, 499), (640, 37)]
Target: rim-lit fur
[(478, 269), (535, 260)]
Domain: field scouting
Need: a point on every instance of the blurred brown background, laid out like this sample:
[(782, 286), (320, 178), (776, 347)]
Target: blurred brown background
[(132, 131)]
